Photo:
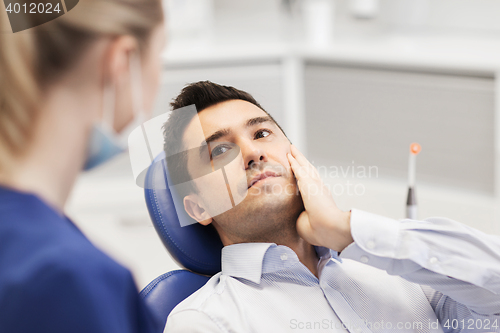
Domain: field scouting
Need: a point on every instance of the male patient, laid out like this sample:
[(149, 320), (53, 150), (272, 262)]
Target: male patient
[(292, 261)]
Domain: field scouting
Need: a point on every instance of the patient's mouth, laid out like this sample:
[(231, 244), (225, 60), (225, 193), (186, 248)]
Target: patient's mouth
[(262, 176)]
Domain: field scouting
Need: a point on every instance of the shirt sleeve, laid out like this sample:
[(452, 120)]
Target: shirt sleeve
[(192, 321), (458, 267)]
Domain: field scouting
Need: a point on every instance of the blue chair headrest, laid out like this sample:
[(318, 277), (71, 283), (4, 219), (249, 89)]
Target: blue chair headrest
[(195, 247)]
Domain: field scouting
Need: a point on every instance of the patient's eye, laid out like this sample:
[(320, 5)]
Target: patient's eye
[(220, 150), (262, 133)]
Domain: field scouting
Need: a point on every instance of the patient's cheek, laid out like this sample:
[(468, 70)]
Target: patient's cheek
[(213, 191), (223, 188)]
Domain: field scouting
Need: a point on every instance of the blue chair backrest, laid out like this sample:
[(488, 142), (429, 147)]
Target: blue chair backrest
[(166, 291), (195, 247)]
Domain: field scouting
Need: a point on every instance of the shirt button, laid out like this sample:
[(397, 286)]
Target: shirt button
[(433, 260), (370, 245), (364, 259), (284, 256)]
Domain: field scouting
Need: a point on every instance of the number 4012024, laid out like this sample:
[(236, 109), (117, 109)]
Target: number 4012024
[(33, 8)]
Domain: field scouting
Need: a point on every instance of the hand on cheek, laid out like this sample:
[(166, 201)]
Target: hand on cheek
[(322, 223)]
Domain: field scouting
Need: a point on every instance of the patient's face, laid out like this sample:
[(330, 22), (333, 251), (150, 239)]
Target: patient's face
[(272, 204)]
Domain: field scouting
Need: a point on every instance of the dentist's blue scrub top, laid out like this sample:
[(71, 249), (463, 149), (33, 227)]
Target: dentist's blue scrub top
[(52, 279)]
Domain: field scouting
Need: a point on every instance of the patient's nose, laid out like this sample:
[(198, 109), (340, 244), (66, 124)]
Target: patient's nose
[(253, 155)]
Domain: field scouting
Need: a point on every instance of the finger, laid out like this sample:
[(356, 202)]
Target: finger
[(304, 161), (298, 170), (304, 174), (299, 156), (307, 185), (294, 165)]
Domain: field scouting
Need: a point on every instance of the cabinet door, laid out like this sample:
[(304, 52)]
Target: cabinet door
[(370, 117)]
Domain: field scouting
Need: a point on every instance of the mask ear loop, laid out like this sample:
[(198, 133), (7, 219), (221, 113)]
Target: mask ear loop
[(137, 98), (136, 82), (108, 106)]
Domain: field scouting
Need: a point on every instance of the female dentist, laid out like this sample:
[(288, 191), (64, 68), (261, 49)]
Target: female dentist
[(70, 90)]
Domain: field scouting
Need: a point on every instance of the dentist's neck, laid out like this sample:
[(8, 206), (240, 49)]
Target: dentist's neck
[(51, 164)]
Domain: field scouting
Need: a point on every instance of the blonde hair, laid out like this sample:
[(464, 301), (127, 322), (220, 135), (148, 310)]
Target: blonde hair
[(37, 57)]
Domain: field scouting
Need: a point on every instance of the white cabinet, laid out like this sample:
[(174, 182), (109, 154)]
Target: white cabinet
[(370, 116)]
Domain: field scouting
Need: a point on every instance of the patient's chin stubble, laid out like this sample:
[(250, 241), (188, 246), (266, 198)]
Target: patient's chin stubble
[(270, 220)]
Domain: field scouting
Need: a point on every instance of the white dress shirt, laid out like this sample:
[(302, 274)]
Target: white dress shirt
[(435, 275)]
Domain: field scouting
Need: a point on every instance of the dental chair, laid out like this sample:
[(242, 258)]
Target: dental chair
[(195, 247)]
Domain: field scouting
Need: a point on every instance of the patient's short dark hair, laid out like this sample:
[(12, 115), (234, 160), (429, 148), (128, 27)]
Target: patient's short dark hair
[(202, 94)]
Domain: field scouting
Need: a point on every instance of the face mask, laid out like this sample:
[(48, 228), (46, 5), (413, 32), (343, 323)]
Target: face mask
[(104, 143)]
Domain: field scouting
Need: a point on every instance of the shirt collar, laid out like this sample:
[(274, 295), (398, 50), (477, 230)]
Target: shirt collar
[(250, 260)]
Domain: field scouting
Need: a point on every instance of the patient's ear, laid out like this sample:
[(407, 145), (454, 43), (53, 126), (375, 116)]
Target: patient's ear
[(193, 208)]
